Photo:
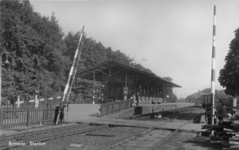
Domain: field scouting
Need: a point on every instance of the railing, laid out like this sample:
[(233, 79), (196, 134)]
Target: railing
[(113, 107), (17, 117)]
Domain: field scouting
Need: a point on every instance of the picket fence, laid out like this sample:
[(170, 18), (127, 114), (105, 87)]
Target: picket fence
[(17, 117), (27, 114)]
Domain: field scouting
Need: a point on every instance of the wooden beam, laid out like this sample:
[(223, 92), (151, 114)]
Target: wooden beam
[(116, 72), (102, 72)]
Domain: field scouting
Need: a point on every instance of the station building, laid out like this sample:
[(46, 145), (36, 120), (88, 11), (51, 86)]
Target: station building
[(122, 82)]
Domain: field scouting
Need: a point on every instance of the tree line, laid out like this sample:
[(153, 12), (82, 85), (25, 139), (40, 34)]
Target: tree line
[(196, 97), (40, 54)]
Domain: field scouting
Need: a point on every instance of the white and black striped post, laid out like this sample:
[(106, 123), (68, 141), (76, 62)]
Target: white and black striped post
[(213, 74), (72, 67), (71, 73), (93, 97), (126, 87), (75, 69)]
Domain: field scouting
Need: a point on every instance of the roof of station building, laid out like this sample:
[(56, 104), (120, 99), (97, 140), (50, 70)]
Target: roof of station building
[(102, 69)]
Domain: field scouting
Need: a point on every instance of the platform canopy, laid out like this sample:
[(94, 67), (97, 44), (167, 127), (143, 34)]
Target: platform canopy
[(118, 71)]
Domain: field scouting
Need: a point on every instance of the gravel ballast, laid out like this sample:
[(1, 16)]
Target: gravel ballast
[(83, 141)]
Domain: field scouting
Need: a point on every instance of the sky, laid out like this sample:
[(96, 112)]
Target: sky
[(170, 37)]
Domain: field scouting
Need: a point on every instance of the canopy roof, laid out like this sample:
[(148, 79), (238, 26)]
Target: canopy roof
[(110, 68)]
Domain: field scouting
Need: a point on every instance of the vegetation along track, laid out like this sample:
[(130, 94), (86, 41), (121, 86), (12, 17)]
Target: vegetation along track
[(44, 135)]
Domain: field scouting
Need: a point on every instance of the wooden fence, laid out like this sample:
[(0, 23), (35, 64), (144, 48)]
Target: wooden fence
[(112, 107), (17, 117)]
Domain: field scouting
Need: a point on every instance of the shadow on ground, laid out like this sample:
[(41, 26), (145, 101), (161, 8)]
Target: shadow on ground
[(204, 142)]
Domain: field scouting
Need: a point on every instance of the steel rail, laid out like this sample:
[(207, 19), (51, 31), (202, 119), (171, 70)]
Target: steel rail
[(55, 136), (38, 132), (200, 114), (144, 132), (191, 116), (126, 139), (155, 146)]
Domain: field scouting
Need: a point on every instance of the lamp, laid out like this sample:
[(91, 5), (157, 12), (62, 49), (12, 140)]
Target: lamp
[(6, 63)]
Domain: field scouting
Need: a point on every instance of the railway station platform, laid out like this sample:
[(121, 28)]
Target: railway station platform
[(78, 111), (151, 108), (182, 125), (82, 113), (85, 114)]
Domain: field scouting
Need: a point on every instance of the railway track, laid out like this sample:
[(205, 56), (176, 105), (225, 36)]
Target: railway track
[(188, 116), (147, 140), (93, 133), (183, 116), (171, 115), (23, 139)]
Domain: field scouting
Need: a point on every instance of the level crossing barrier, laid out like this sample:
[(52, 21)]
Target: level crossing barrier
[(39, 102), (112, 107)]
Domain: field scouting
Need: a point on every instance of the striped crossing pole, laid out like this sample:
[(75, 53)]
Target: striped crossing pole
[(72, 67), (213, 75), (126, 88), (76, 64), (93, 88), (74, 72), (71, 72)]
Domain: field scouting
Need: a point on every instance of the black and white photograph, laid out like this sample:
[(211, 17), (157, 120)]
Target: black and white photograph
[(119, 74)]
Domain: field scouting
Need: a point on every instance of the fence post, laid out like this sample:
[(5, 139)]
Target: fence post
[(112, 108), (18, 101), (100, 110), (106, 109), (36, 101), (46, 102), (28, 116), (120, 105), (1, 118), (43, 114)]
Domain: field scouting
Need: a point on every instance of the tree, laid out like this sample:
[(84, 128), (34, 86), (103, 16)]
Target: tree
[(41, 56), (195, 97), (172, 97), (35, 46), (140, 67), (229, 75), (168, 79)]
